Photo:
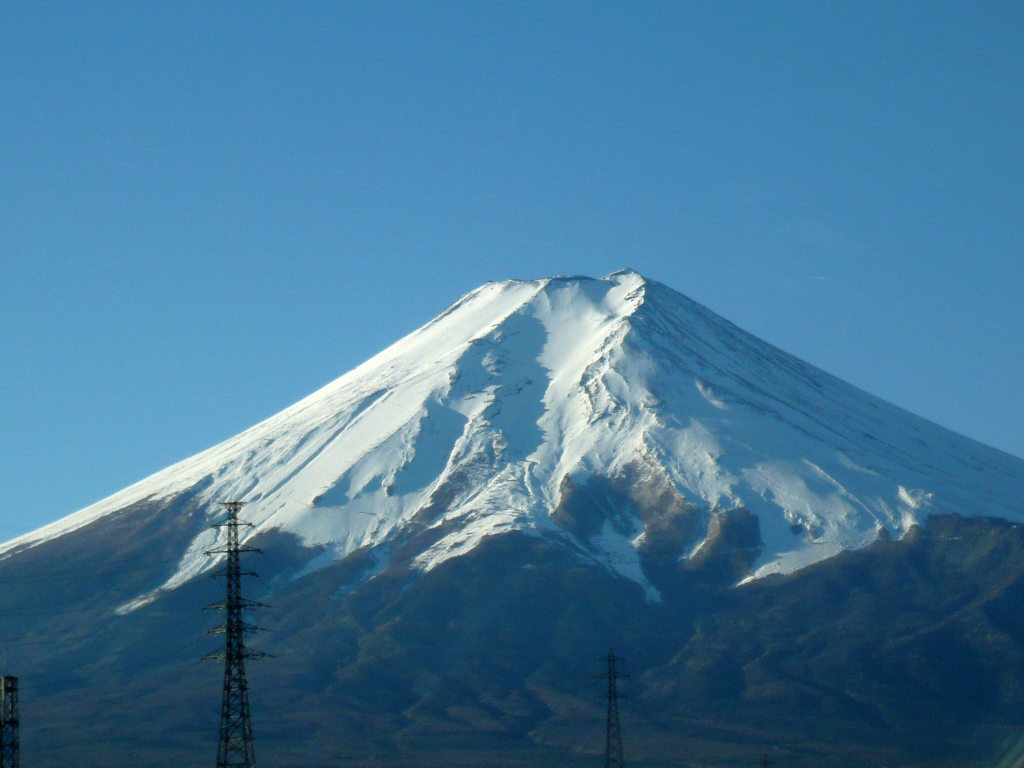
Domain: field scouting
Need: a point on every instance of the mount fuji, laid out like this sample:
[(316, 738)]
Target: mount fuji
[(486, 419), (543, 446)]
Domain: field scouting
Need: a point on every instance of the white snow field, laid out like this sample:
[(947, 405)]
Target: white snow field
[(520, 384)]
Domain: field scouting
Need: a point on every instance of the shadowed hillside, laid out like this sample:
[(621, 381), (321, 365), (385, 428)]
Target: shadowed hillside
[(904, 653)]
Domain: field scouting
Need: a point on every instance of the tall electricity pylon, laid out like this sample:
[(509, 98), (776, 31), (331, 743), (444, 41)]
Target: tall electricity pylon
[(613, 734), (9, 747), (236, 748)]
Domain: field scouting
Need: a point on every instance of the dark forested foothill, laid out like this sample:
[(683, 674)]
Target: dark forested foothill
[(907, 652)]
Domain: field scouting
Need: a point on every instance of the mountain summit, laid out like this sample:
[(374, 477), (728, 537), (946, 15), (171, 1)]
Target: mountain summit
[(688, 438)]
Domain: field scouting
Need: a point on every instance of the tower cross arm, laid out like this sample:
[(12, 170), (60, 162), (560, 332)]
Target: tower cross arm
[(228, 550)]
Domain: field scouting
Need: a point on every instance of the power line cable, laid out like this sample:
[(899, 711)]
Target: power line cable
[(60, 575)]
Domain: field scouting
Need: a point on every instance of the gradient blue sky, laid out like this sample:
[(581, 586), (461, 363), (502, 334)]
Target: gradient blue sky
[(209, 210)]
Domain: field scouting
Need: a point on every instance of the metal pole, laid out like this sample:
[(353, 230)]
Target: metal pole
[(235, 748)]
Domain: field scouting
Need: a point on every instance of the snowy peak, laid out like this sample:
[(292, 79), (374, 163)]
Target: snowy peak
[(526, 397)]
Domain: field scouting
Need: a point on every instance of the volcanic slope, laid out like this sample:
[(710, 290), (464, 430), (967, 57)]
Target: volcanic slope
[(455, 531), (492, 417)]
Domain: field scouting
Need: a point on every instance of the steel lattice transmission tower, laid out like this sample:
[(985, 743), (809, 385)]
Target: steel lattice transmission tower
[(613, 734), (236, 745), (9, 748)]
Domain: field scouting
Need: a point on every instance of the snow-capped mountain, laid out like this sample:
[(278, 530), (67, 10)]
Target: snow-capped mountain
[(486, 419)]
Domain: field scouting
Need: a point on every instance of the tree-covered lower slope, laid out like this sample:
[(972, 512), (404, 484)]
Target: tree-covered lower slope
[(906, 652)]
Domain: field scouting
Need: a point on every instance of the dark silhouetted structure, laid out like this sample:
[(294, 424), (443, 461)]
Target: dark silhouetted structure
[(9, 748), (613, 734), (236, 747)]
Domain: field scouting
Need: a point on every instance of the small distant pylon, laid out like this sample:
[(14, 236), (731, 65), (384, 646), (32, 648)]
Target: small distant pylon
[(9, 746), (613, 734), (235, 749)]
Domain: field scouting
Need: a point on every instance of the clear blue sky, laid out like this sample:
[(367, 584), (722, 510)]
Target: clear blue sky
[(209, 210)]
